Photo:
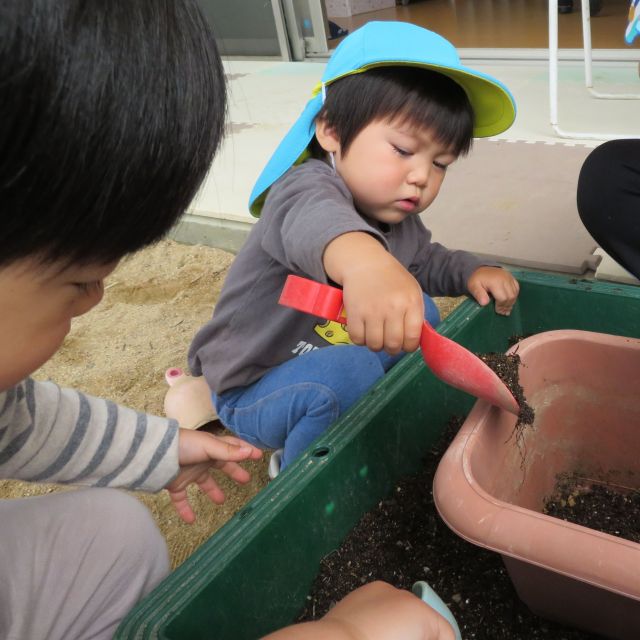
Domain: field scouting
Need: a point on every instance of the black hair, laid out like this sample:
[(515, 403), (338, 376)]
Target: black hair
[(425, 98), (110, 114)]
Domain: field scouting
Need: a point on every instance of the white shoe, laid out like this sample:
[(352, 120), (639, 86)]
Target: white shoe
[(275, 462)]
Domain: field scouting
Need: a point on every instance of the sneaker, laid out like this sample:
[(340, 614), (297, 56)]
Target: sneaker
[(275, 463)]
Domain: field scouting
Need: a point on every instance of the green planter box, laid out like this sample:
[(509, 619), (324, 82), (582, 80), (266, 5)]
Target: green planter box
[(254, 574)]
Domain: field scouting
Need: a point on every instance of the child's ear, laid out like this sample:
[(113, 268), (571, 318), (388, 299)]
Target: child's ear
[(327, 137)]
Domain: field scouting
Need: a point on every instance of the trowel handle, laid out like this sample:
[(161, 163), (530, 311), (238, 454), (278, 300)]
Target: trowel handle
[(313, 297), (428, 595)]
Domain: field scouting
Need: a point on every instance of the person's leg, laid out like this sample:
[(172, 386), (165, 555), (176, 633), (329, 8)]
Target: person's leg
[(73, 564), (431, 313), (609, 200), (291, 405)]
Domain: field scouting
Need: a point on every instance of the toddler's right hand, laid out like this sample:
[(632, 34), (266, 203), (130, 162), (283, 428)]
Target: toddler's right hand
[(382, 300), (384, 307)]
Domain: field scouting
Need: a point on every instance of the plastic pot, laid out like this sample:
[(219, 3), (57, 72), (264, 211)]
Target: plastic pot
[(585, 390)]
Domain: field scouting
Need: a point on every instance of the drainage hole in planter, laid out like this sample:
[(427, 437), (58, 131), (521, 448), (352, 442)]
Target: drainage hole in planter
[(245, 512), (321, 452)]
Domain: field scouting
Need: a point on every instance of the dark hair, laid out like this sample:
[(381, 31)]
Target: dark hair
[(110, 115), (425, 98)]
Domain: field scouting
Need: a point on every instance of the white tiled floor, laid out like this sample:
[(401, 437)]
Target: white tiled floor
[(266, 98)]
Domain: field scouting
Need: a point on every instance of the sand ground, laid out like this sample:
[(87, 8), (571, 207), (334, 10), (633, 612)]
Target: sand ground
[(153, 304)]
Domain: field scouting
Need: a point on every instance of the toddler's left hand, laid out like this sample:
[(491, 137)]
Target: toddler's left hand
[(198, 452), (494, 281)]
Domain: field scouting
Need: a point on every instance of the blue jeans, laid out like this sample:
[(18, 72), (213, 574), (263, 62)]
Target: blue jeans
[(295, 402)]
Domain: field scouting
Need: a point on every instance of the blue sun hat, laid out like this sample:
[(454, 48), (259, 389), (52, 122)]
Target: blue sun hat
[(379, 44)]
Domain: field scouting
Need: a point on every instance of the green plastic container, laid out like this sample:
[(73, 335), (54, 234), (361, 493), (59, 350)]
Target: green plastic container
[(254, 574)]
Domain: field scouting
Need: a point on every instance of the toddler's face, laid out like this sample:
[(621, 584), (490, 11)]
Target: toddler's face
[(393, 169), (38, 302)]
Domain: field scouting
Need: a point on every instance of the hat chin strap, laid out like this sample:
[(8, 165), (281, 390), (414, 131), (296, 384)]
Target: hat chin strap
[(332, 158)]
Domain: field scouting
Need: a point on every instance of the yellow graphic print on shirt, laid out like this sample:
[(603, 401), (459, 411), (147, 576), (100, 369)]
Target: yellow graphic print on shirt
[(333, 332)]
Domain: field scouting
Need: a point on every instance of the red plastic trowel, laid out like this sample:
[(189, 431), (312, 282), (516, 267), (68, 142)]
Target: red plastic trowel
[(448, 360)]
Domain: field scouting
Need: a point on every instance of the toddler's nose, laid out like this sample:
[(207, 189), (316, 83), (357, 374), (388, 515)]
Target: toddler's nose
[(419, 176)]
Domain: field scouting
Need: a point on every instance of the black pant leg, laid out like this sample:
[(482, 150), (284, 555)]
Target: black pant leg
[(609, 200)]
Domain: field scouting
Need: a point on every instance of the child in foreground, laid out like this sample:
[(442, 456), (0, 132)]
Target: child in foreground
[(339, 203), (93, 167)]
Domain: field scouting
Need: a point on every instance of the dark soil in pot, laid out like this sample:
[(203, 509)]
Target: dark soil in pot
[(403, 540), (597, 504)]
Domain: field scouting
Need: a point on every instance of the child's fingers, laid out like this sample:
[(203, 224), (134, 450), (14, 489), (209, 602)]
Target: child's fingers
[(197, 446), (235, 472), (374, 335), (413, 323), (393, 335), (356, 330), (219, 449), (256, 453), (182, 506), (200, 475), (367, 332), (505, 295), (211, 488), (480, 294)]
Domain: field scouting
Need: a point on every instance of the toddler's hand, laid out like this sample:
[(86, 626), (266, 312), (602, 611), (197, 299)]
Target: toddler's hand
[(382, 300), (198, 453), (384, 307), (494, 281)]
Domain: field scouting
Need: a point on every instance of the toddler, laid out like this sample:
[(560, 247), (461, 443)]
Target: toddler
[(339, 202)]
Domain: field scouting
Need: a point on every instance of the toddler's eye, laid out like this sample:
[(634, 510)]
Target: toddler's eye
[(441, 165), (401, 152)]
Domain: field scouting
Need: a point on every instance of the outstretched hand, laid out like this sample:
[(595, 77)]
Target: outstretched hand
[(198, 453), (376, 611), (488, 282)]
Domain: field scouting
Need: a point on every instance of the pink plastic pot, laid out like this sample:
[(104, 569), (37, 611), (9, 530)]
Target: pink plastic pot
[(585, 390)]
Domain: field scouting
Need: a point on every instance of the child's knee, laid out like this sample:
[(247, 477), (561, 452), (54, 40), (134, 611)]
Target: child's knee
[(125, 529)]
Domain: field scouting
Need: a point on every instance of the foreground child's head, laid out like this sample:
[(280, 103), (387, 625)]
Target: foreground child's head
[(391, 132), (396, 45), (111, 113)]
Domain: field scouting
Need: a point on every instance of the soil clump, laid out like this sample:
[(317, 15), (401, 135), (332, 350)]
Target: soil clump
[(506, 366)]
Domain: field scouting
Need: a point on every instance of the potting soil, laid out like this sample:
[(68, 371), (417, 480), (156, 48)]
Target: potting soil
[(506, 366), (598, 505), (403, 540)]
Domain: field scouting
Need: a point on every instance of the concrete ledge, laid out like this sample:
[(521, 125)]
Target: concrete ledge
[(212, 232)]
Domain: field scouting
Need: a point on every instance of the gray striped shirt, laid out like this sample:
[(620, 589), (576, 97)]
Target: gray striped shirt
[(50, 434)]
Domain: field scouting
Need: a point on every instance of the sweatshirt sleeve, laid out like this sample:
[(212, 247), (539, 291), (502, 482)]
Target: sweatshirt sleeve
[(304, 211), (51, 434), (441, 271)]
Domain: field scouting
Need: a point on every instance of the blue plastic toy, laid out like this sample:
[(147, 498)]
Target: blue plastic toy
[(633, 25), (428, 595)]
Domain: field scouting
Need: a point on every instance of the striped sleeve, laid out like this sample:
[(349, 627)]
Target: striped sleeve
[(51, 434)]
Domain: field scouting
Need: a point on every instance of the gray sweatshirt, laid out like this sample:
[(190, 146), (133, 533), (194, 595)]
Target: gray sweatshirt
[(305, 210), (50, 434)]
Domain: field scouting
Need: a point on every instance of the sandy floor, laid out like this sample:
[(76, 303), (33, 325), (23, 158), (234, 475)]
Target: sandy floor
[(153, 304)]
